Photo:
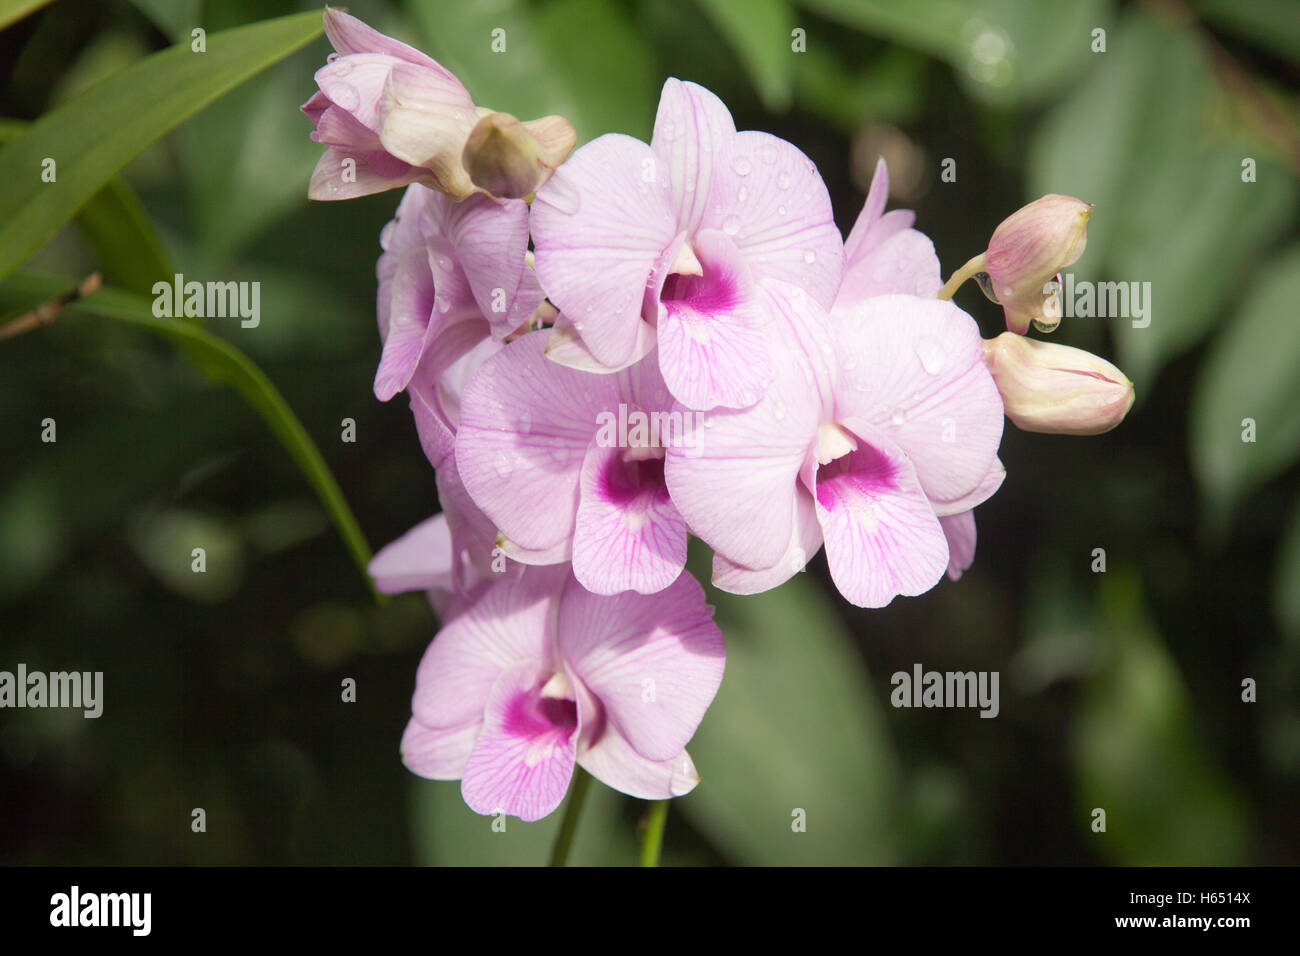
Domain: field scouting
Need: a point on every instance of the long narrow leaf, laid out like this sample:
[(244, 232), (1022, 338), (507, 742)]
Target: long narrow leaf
[(94, 135)]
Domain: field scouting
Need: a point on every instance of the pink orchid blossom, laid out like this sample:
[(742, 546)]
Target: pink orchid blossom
[(882, 421), (670, 243), (445, 264), (540, 674), (390, 116), (537, 454)]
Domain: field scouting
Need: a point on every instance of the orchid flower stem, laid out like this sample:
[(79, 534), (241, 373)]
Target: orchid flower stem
[(971, 268), (572, 810), (653, 841)]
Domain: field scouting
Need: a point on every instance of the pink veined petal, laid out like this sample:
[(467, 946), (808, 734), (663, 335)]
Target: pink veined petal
[(628, 535), (560, 553), (490, 239), (566, 347), (712, 339), (959, 529), (523, 758), (347, 175), (337, 127), (349, 35), (438, 753), (882, 538), (424, 117), (355, 84), (690, 128), (450, 362), (736, 487), (600, 225), (805, 542), (873, 226), (473, 536), (525, 423), (905, 263), (613, 762), (409, 326), (417, 561), (402, 233), (654, 662), (315, 107), (982, 493), (783, 225), (913, 369), (508, 625)]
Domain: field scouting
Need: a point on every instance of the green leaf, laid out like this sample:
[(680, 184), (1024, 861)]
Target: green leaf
[(581, 59), (175, 18), (931, 26), (100, 131), (11, 11), (1137, 755), (233, 368), (129, 251), (759, 33), (1250, 373), (795, 726)]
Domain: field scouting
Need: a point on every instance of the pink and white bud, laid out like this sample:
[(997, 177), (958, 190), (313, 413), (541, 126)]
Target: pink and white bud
[(1057, 389), (1027, 251), (392, 116)]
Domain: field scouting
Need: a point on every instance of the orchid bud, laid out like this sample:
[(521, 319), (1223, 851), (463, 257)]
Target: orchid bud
[(1057, 389), (510, 159), (1027, 251)]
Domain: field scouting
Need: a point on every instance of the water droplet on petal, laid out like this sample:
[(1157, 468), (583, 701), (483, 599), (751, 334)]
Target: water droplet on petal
[(932, 354), (525, 422), (440, 303), (779, 410), (899, 417), (332, 57), (742, 195), (809, 256), (502, 464), (767, 154), (783, 181), (740, 166), (731, 225), (780, 210), (986, 286)]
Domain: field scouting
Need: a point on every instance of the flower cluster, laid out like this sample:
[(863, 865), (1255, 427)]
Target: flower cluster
[(689, 348)]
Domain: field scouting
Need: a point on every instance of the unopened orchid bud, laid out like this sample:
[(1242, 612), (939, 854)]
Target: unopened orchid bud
[(1057, 389), (1026, 253), (390, 116), (510, 159)]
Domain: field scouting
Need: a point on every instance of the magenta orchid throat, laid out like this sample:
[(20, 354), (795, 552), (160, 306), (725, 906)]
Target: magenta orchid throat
[(777, 389)]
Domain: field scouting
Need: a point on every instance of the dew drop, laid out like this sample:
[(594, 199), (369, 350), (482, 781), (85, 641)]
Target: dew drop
[(331, 58), (767, 154), (740, 166), (783, 181), (731, 225), (986, 286), (932, 354), (779, 410), (502, 464), (440, 303), (899, 417), (525, 422), (742, 195), (780, 210), (809, 256)]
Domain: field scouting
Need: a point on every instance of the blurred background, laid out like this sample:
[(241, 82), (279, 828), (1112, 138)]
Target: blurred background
[(1120, 690)]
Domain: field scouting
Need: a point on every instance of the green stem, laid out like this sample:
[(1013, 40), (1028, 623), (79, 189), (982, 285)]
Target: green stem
[(971, 268), (653, 841), (569, 825)]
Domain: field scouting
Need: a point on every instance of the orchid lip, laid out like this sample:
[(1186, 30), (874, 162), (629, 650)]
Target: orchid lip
[(833, 442)]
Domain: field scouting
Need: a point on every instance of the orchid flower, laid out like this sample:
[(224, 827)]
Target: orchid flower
[(671, 242), (540, 674)]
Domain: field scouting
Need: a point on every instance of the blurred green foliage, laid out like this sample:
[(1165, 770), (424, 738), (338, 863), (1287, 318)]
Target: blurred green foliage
[(1121, 690)]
